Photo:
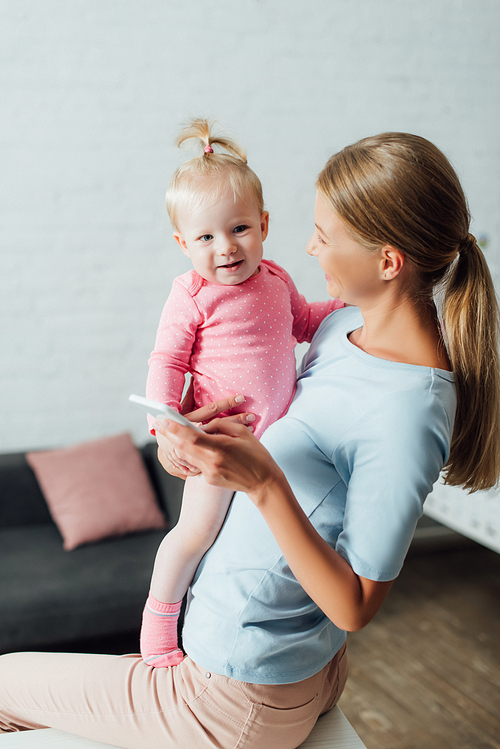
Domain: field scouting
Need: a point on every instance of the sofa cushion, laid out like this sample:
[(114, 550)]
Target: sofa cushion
[(97, 489), (51, 596)]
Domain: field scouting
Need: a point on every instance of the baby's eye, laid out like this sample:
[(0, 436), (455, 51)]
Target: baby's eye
[(206, 237), (240, 228)]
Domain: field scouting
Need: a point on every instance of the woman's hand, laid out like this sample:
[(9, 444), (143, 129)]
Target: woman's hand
[(227, 454), (171, 461)]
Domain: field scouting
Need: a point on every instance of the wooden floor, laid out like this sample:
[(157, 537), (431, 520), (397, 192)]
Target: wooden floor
[(425, 674)]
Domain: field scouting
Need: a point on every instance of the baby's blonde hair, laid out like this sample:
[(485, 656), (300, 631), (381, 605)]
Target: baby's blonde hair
[(204, 179)]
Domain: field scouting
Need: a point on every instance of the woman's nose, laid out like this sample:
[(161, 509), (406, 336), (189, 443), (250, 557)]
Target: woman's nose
[(310, 248)]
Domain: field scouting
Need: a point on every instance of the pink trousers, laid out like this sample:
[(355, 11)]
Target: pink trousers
[(121, 701)]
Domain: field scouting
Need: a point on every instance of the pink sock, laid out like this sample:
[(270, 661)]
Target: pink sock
[(159, 634)]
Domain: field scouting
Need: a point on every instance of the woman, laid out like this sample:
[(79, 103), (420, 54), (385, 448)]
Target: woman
[(329, 499)]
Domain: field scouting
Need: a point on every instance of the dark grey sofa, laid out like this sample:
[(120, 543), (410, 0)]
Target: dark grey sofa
[(48, 595)]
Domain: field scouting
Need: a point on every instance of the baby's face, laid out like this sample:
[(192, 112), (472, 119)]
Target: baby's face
[(224, 240)]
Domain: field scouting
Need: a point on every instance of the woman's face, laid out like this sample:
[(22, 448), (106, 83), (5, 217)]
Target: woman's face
[(353, 273)]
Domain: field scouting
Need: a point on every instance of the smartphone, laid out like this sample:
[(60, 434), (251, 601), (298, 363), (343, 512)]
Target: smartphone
[(162, 411)]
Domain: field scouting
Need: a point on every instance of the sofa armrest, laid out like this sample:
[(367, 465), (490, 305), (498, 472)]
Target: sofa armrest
[(168, 488), (21, 499)]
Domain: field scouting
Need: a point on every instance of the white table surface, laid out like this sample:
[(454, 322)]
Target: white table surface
[(332, 731)]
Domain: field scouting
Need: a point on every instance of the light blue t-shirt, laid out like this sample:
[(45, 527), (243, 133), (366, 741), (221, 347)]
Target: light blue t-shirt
[(361, 446)]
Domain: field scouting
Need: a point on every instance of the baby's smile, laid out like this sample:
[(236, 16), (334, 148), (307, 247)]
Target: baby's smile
[(234, 264)]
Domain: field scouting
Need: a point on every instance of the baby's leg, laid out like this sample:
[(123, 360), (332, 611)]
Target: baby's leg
[(204, 508)]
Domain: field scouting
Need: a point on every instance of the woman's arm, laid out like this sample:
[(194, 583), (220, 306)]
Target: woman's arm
[(349, 600), (233, 458)]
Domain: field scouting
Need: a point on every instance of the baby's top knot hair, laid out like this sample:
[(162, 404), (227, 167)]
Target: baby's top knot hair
[(221, 165), (204, 131)]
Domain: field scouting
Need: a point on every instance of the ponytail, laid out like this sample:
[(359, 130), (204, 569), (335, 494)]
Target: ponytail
[(470, 319), (400, 189), (203, 131)]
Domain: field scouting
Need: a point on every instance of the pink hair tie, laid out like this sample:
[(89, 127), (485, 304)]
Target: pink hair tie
[(208, 149)]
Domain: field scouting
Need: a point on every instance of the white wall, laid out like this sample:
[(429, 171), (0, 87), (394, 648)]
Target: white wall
[(92, 94)]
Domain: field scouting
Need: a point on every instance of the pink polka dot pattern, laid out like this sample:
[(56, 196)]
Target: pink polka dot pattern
[(234, 339)]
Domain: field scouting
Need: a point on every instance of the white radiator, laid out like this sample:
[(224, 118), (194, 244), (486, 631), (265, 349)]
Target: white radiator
[(476, 516)]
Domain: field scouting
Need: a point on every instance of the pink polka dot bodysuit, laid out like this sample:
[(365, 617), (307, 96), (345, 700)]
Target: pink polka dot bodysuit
[(234, 340)]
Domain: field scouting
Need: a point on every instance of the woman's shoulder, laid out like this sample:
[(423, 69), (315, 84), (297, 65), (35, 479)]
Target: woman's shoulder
[(347, 316), (341, 321), (334, 329)]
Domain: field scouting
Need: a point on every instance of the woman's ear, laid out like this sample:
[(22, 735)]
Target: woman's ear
[(181, 242), (393, 262)]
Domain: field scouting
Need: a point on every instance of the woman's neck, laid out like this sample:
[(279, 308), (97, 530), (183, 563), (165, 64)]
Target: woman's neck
[(402, 331)]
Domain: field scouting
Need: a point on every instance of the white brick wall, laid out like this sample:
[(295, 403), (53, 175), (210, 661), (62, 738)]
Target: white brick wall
[(92, 93)]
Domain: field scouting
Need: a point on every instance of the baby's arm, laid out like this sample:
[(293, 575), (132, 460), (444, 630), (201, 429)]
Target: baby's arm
[(308, 316), (170, 358)]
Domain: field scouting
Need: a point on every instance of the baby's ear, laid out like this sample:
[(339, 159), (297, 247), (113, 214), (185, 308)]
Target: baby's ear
[(264, 225), (181, 242)]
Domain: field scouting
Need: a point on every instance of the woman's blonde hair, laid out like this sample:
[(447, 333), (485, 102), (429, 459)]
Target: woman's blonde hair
[(400, 189), (222, 161)]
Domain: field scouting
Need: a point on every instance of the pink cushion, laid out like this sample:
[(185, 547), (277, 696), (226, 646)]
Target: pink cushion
[(97, 489)]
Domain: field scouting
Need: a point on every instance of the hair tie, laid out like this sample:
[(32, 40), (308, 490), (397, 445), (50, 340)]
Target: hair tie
[(468, 243), (208, 149)]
